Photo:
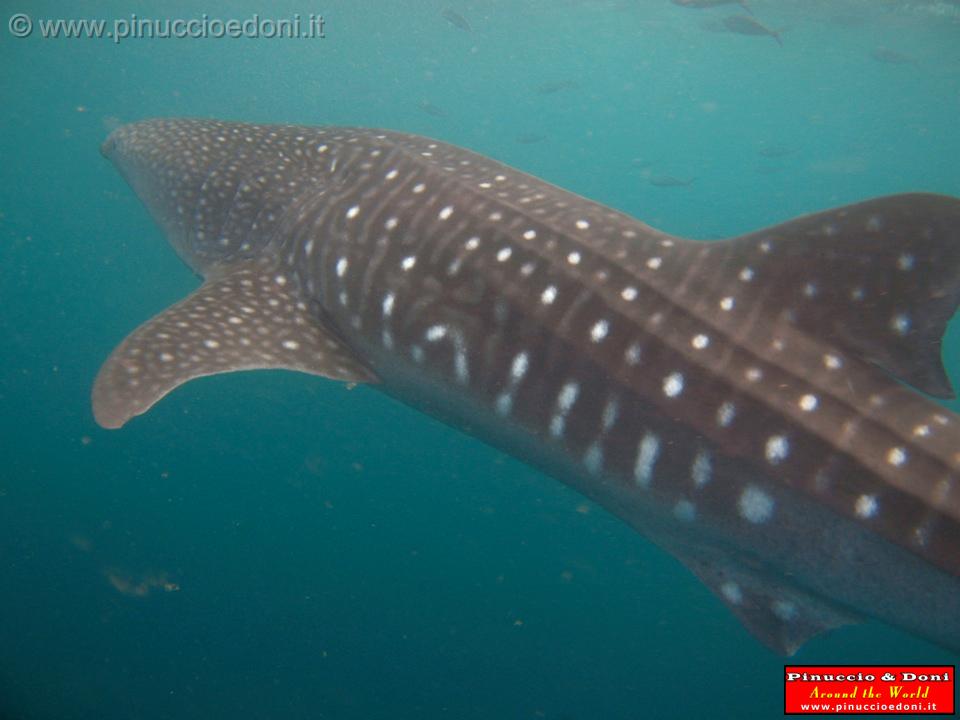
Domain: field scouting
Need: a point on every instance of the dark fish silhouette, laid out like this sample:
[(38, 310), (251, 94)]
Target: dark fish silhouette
[(743, 25), (456, 19), (549, 88), (700, 4), (430, 109), (745, 403), (670, 181), (891, 57)]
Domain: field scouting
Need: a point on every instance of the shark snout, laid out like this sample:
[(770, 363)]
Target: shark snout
[(107, 146)]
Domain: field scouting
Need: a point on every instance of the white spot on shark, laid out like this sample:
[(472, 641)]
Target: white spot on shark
[(593, 459), (866, 506), (599, 330), (777, 449), (731, 592), (725, 414), (785, 610), (755, 505), (610, 412), (673, 384), (905, 262), (701, 469), (897, 456), (568, 396), (519, 367), (647, 453), (900, 324), (388, 301), (436, 332)]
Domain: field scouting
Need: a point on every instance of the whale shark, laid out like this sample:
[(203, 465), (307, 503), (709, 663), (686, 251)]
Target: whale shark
[(763, 408)]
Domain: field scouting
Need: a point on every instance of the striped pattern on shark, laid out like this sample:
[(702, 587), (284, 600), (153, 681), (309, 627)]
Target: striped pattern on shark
[(742, 403)]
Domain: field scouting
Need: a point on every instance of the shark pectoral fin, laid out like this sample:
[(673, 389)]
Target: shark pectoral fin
[(781, 617), (244, 320), (880, 279)]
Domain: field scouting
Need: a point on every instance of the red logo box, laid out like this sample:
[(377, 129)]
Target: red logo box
[(869, 689)]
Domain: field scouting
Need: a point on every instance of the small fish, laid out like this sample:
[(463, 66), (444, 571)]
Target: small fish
[(456, 19), (430, 109), (701, 4), (549, 88), (530, 138), (890, 57), (743, 25), (776, 151), (670, 181)]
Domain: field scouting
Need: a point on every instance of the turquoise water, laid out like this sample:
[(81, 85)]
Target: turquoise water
[(269, 545)]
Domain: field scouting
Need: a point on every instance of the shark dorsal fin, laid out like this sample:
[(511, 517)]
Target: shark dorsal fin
[(880, 279), (245, 319)]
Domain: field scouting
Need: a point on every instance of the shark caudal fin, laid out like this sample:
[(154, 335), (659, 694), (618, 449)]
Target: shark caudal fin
[(247, 319), (879, 279)]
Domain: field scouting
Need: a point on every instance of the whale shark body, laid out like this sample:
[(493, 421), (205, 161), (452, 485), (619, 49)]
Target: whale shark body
[(750, 405)]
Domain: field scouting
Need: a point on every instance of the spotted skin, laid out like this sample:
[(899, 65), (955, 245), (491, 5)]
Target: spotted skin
[(737, 402)]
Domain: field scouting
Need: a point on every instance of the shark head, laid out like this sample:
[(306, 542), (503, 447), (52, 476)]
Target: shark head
[(217, 189), (228, 196)]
